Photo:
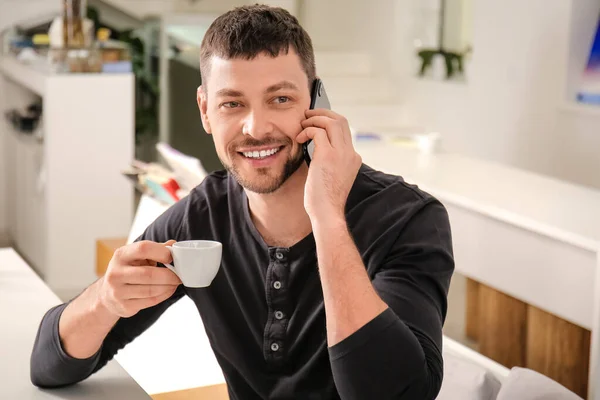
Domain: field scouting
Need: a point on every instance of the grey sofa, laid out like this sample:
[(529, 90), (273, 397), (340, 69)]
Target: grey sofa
[(470, 376)]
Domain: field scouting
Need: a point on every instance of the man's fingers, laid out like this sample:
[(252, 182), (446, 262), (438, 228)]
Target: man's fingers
[(318, 121), (337, 129), (319, 136), (144, 250), (146, 291), (147, 275), (302, 137), (330, 126), (167, 243), (309, 133), (322, 111)]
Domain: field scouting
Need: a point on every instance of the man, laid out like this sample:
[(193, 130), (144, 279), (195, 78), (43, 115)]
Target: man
[(334, 277)]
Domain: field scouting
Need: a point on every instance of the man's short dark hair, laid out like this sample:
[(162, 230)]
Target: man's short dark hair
[(247, 31)]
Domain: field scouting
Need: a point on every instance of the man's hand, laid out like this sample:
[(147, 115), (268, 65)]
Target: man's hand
[(133, 282), (334, 166)]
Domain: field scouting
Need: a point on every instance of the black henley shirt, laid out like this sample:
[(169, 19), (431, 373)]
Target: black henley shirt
[(264, 313)]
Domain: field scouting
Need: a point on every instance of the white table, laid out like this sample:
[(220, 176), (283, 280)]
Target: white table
[(529, 236), (24, 298)]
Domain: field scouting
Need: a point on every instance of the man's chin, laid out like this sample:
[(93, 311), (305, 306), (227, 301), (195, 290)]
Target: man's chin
[(264, 180), (262, 184)]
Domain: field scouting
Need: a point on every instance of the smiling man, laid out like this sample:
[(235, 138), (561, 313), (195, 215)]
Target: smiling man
[(334, 278)]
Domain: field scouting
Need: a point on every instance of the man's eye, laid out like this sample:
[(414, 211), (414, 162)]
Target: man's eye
[(231, 104), (282, 99)]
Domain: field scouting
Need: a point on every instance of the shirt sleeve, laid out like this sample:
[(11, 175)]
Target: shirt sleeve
[(398, 354), (51, 366)]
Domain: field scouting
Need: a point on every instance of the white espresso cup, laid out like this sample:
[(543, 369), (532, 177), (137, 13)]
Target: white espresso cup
[(196, 262)]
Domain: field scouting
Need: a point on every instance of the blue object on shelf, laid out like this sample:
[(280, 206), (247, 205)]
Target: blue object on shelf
[(589, 98), (367, 136), (118, 67), (21, 43)]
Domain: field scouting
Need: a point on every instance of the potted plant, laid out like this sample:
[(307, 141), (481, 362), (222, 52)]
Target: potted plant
[(452, 61)]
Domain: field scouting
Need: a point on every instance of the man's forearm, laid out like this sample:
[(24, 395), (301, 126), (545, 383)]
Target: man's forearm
[(84, 324), (350, 299)]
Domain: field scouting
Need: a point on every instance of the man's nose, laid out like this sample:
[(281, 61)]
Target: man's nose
[(257, 124)]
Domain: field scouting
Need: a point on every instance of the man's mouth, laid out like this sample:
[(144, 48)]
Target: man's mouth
[(261, 154)]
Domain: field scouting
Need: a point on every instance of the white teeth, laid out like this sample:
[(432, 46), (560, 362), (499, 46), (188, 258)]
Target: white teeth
[(261, 154)]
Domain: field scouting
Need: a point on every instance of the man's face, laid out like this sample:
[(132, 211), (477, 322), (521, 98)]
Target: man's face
[(253, 109)]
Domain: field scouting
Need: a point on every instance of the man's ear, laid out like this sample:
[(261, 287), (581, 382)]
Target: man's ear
[(202, 106)]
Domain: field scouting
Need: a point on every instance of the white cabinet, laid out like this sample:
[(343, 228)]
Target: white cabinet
[(64, 192), (26, 205)]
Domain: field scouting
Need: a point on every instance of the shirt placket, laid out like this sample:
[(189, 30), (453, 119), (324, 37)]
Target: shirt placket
[(274, 345)]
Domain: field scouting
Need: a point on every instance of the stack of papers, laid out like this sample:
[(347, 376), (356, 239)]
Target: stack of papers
[(188, 170), (163, 184)]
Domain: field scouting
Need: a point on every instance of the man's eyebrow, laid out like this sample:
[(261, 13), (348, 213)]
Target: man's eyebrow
[(229, 93), (281, 85), (273, 88)]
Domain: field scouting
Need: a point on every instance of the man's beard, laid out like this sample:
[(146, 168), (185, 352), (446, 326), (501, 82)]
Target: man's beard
[(264, 181)]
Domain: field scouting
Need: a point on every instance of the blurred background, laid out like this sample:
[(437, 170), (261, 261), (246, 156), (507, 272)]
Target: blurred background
[(492, 106)]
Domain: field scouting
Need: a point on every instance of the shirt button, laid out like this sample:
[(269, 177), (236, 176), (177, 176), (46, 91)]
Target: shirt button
[(278, 314), (277, 285), (279, 255), (274, 347)]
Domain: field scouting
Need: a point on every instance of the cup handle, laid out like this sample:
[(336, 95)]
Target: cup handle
[(170, 266)]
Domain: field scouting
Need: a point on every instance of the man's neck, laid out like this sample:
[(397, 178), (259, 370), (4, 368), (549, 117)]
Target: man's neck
[(280, 216)]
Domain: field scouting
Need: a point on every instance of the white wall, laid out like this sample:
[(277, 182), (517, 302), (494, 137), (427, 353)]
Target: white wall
[(457, 28), (290, 5), (144, 8), (3, 172), (512, 109), (340, 25), (317, 17)]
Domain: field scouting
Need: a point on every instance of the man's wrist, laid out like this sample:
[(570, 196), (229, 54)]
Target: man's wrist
[(99, 309), (333, 222)]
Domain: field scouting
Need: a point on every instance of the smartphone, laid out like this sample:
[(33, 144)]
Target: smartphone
[(318, 99)]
